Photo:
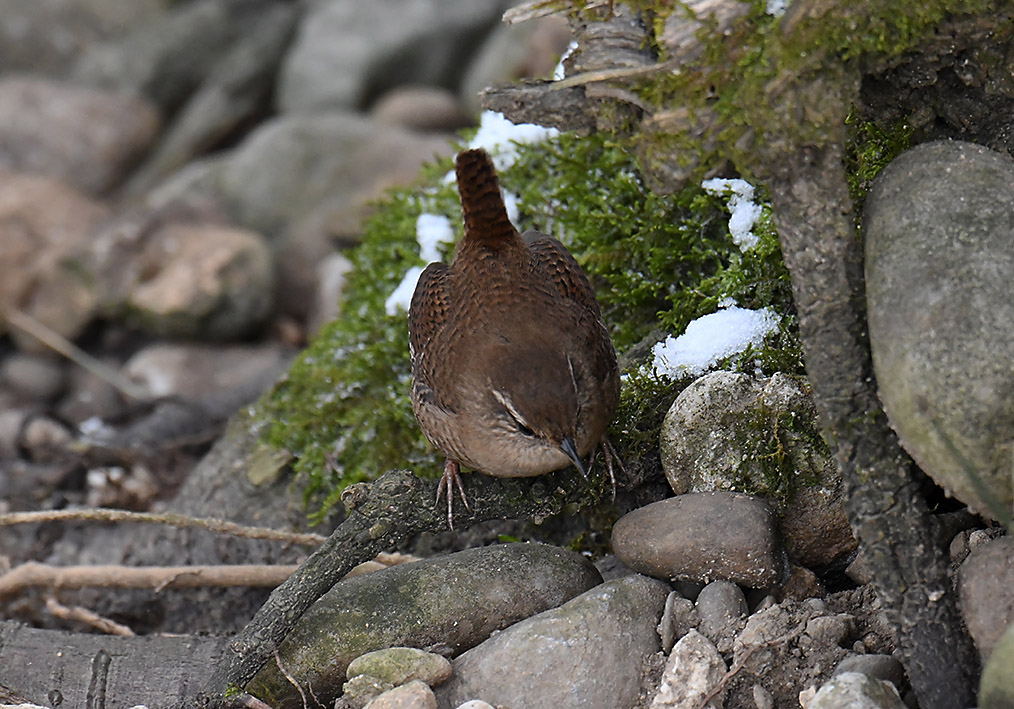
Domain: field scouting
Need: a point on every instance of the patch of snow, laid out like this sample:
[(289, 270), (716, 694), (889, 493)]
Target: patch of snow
[(510, 202), (711, 338), (432, 230), (498, 137), (777, 7), (743, 211), (560, 73), (400, 299)]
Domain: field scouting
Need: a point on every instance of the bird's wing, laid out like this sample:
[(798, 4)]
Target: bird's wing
[(562, 270), (428, 311), (428, 314)]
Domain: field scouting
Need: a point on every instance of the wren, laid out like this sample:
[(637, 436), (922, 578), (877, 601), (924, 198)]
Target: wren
[(514, 374)]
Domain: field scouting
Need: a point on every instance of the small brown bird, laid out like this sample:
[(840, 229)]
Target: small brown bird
[(513, 370)]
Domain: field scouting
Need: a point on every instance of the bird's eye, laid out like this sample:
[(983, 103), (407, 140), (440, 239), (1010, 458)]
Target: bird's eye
[(524, 430), (513, 416)]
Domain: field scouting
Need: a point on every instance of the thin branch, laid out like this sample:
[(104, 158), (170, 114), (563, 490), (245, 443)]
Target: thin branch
[(534, 9), (58, 343), (102, 514), (592, 77), (288, 676), (153, 577), (89, 617)]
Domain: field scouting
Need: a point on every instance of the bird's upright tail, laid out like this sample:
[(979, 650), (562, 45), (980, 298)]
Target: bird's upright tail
[(486, 221)]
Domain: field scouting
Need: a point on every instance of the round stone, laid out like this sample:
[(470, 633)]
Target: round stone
[(702, 536), (939, 231)]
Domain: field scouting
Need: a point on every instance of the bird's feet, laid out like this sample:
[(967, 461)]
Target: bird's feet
[(450, 480), (611, 457)]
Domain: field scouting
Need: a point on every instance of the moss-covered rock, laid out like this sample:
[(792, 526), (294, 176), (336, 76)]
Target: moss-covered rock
[(452, 602)]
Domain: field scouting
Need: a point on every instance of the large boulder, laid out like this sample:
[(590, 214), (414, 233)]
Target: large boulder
[(939, 230)]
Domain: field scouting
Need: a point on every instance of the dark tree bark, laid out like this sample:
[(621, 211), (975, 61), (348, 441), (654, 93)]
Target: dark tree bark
[(889, 516), (57, 668)]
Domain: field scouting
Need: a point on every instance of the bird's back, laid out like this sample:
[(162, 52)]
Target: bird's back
[(508, 341)]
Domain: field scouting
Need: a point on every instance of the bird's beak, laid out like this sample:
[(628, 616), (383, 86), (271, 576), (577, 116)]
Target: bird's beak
[(567, 446)]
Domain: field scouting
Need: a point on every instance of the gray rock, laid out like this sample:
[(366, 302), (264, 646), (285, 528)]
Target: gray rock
[(237, 89), (129, 247), (348, 52), (986, 592), (729, 431), (958, 549), (451, 603), (45, 38), (800, 583), (996, 687), (332, 273), (828, 630), (306, 246), (775, 651), (421, 108), (852, 690), (35, 378), (45, 229), (475, 704), (612, 568), (166, 58), (693, 670), (361, 690), (702, 536), (588, 653), (85, 137), (939, 235), (399, 665), (762, 698), (413, 695), (45, 439), (859, 570), (89, 396), (688, 588), (195, 183), (11, 423), (883, 667), (678, 617), (294, 164), (202, 371), (204, 282), (722, 609)]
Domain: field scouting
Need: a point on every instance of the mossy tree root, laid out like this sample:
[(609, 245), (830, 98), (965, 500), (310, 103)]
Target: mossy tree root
[(381, 514), (888, 514)]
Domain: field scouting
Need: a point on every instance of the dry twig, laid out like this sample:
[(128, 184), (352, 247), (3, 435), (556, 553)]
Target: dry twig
[(89, 617), (58, 343), (169, 518), (153, 577)]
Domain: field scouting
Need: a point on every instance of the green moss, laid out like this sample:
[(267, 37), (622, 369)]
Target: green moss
[(656, 261), (768, 85), (868, 150), (773, 441)]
